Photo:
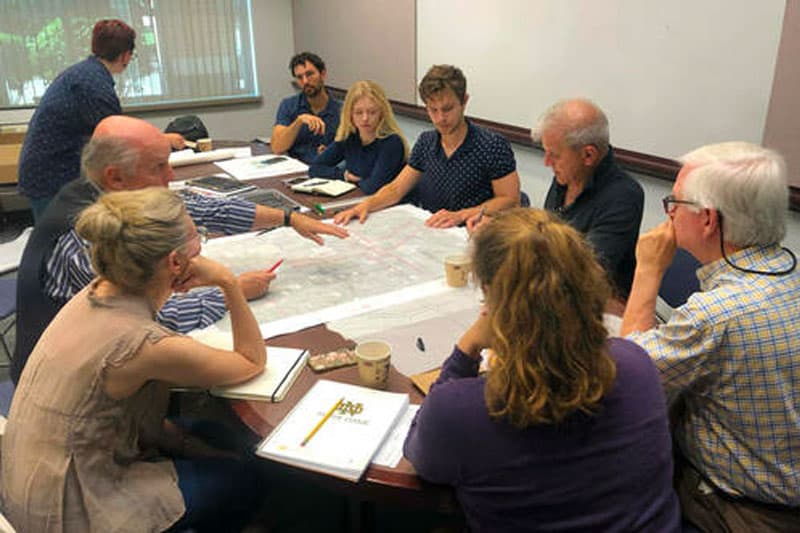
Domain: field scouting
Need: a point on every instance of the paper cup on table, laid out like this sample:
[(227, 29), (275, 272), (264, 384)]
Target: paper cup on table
[(204, 145), (456, 269), (374, 358)]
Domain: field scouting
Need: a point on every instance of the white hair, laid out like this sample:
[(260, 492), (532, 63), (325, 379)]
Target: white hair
[(104, 151), (746, 183), (589, 126)]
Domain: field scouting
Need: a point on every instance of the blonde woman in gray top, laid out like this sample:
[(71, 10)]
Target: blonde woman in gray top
[(87, 446)]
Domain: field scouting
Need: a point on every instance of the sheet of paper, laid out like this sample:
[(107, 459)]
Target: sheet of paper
[(11, 251), (391, 451), (390, 260), (262, 166)]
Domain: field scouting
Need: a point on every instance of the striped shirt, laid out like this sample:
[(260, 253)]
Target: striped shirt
[(733, 351), (69, 268)]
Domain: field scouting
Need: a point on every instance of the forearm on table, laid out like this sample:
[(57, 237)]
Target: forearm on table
[(283, 137)]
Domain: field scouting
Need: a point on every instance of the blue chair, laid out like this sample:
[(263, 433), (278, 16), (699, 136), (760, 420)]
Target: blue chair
[(680, 280), (8, 309)]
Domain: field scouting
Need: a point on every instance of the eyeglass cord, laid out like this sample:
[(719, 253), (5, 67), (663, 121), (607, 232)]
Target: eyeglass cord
[(748, 270)]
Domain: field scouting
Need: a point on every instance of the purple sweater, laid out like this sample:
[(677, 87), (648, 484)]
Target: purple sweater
[(608, 472)]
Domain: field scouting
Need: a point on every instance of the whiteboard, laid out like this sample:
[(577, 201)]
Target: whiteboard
[(671, 74)]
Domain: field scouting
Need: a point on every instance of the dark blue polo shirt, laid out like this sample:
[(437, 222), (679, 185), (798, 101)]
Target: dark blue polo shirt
[(306, 144), (65, 118), (465, 179), (609, 212)]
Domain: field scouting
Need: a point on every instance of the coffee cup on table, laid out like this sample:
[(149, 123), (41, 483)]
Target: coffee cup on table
[(456, 269), (374, 359), (204, 144)]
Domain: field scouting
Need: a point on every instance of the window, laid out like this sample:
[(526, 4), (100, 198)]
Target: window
[(186, 50)]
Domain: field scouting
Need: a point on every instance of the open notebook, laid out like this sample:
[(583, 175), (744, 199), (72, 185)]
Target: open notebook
[(335, 428)]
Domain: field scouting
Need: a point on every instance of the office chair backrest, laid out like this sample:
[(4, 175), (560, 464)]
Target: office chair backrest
[(680, 280)]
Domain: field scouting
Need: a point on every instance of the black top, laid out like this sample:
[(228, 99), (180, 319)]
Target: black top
[(609, 213), (35, 309)]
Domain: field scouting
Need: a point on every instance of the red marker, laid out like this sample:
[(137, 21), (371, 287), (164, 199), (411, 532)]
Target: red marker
[(275, 266)]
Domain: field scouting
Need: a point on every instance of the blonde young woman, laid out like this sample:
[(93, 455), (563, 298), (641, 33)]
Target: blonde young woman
[(87, 447), (568, 430), (368, 140)]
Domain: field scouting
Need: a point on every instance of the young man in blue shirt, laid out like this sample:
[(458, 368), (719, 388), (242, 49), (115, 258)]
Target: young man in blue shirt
[(306, 122), (455, 171)]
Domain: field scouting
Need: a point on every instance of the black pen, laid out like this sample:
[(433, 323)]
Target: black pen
[(420, 344)]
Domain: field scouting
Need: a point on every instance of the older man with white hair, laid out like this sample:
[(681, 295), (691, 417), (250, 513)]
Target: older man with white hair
[(731, 354), (127, 153), (590, 191)]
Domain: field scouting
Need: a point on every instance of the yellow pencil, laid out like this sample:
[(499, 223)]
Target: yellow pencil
[(324, 419)]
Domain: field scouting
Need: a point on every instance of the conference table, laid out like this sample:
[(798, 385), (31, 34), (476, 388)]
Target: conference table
[(397, 486)]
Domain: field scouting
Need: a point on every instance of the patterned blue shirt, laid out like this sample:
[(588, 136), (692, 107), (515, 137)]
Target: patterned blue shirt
[(69, 268), (465, 178), (306, 144), (65, 118), (733, 352)]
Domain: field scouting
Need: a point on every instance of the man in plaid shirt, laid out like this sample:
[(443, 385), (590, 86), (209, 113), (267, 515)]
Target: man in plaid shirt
[(730, 356)]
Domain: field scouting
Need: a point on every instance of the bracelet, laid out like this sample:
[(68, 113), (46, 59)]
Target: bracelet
[(287, 216)]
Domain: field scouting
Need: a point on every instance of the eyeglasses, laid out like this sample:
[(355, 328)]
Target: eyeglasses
[(202, 234), (667, 200)]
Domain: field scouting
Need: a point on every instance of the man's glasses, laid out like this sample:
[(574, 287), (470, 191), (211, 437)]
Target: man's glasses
[(667, 200)]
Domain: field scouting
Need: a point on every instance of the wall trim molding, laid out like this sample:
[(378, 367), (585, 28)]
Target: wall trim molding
[(651, 165)]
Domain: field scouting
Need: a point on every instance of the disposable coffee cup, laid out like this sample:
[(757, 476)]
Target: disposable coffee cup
[(456, 269), (204, 145), (374, 359)]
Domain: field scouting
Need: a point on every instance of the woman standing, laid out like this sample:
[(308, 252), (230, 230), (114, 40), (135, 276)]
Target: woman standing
[(568, 430), (368, 140), (87, 446)]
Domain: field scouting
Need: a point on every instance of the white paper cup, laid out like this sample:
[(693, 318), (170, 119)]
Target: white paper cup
[(374, 359), (204, 145), (456, 269)]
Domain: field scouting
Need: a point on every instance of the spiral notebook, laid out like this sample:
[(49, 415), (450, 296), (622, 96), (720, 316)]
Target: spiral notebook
[(283, 367)]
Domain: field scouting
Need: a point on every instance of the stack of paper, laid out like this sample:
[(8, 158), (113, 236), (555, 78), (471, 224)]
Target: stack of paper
[(262, 166), (219, 185), (335, 429)]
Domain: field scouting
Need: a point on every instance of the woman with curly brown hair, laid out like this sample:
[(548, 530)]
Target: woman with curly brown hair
[(568, 429)]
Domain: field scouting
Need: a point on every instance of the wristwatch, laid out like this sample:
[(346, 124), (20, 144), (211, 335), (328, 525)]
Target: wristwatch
[(287, 216)]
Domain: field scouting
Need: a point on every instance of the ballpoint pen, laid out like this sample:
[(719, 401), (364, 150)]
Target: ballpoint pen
[(480, 215), (274, 267)]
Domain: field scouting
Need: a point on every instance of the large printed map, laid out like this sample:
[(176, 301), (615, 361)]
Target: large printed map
[(391, 259)]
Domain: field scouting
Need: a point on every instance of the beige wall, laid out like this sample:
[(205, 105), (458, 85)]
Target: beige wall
[(782, 130), (361, 39)]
